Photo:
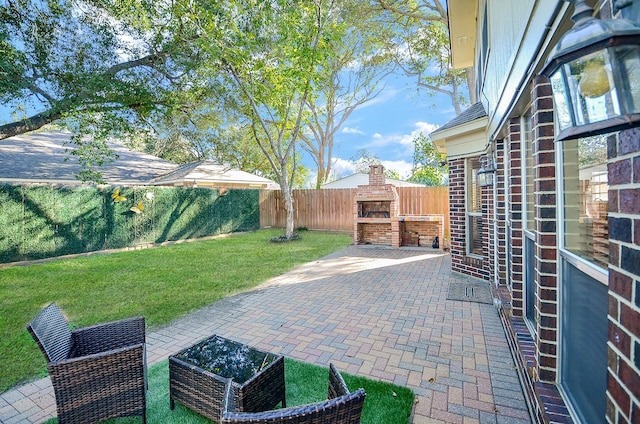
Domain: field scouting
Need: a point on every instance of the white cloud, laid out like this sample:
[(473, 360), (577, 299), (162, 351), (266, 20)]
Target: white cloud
[(349, 130), (342, 167), (406, 140), (400, 166)]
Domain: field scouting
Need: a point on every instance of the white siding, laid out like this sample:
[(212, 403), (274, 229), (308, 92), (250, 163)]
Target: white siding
[(517, 29)]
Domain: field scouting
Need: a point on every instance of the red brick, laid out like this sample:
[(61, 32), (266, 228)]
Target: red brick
[(636, 170), (547, 157), (546, 171), (621, 284), (620, 172), (547, 375), (548, 321), (630, 378), (630, 200), (630, 319), (614, 307), (548, 361), (620, 339), (619, 395), (548, 296), (614, 253), (548, 348)]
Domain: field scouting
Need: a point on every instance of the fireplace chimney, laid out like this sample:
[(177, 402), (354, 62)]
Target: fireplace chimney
[(376, 175)]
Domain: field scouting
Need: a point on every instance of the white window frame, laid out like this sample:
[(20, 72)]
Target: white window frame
[(470, 179)]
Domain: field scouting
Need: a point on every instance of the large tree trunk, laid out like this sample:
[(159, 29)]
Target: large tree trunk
[(286, 190), (471, 83), (288, 201)]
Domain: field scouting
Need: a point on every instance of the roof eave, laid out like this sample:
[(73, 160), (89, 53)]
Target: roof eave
[(462, 32), (474, 133)]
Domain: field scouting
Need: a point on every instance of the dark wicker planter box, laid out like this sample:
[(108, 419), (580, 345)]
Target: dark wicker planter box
[(197, 385)]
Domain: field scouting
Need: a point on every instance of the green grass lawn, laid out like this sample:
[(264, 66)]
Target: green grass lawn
[(385, 403), (161, 284)]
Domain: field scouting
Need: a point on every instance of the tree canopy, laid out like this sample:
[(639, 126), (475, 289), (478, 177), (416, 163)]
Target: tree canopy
[(245, 82)]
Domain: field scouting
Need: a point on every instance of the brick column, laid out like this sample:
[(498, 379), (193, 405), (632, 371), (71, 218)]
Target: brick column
[(545, 188), (514, 156), (623, 384), (457, 209)]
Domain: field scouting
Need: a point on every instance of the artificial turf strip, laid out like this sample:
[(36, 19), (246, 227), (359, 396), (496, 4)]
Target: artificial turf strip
[(385, 403)]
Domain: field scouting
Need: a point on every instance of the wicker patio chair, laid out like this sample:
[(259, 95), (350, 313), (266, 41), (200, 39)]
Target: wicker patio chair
[(97, 372), (342, 407)]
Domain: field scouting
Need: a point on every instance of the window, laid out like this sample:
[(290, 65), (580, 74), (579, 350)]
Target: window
[(584, 343), (528, 218), (474, 209), (583, 280), (527, 149), (484, 49), (586, 198)]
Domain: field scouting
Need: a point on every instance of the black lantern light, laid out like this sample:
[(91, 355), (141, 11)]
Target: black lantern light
[(595, 75), (486, 171)]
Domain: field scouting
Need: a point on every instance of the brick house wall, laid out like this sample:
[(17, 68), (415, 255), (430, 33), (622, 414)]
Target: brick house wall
[(460, 262), (623, 384), (536, 343)]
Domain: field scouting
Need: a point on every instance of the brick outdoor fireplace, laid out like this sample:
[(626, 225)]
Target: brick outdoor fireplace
[(378, 219)]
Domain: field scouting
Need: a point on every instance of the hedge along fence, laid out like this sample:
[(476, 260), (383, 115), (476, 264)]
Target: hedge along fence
[(45, 221)]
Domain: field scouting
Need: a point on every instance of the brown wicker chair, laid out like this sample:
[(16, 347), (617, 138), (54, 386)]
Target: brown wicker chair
[(342, 407), (97, 372)]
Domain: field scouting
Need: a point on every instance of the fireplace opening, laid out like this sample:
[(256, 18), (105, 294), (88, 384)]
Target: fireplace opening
[(378, 209)]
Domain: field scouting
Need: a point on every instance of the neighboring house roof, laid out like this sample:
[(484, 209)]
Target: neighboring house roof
[(44, 157), (207, 171), (358, 179)]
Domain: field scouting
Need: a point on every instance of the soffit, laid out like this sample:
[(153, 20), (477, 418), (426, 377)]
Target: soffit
[(462, 32), (469, 139)]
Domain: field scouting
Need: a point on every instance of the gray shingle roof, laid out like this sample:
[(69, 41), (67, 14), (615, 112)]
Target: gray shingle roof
[(208, 171), (46, 157), (474, 112)]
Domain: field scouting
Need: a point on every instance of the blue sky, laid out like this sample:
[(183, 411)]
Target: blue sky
[(386, 126)]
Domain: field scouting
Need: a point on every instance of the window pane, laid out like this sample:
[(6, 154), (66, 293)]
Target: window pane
[(586, 198), (584, 343), (529, 283), (474, 192), (475, 235), (527, 145)]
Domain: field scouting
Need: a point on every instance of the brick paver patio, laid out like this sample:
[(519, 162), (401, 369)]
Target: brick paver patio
[(376, 312)]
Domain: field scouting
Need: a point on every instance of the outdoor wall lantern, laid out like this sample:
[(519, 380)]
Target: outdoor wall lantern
[(486, 171), (595, 75)]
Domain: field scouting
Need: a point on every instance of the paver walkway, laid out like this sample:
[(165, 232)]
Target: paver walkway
[(376, 312)]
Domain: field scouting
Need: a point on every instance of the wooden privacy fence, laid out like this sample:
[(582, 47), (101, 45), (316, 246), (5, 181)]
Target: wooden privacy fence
[(333, 209)]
